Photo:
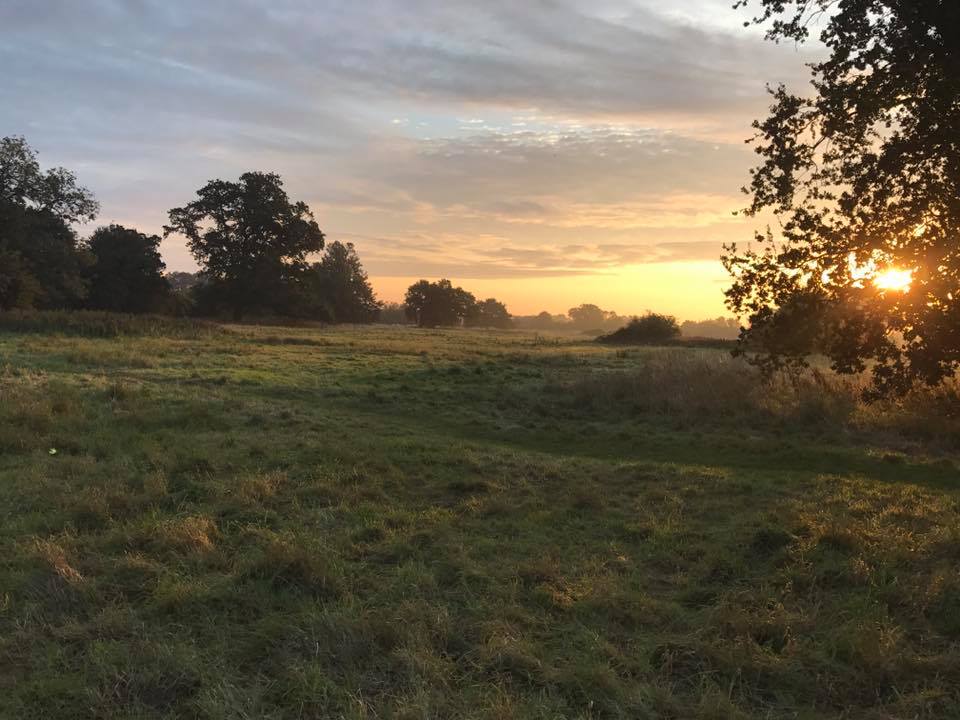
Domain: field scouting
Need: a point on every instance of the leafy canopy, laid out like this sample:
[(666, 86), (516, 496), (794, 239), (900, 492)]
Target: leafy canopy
[(440, 303), (126, 271), (489, 313), (40, 262), (251, 242), (338, 288), (863, 177), (55, 191)]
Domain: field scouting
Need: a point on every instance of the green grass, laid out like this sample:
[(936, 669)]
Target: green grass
[(401, 523)]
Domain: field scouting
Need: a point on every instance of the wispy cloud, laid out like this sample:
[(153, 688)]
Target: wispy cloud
[(546, 124)]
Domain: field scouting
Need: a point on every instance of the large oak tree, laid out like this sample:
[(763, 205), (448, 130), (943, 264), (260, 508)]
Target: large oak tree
[(250, 240), (863, 176)]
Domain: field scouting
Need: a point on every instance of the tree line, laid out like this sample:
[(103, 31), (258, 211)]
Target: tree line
[(255, 248), (253, 244)]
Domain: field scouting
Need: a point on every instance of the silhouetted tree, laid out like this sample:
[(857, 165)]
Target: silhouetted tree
[(864, 176), (181, 281), (489, 313), (338, 289), (40, 261), (721, 328), (125, 273), (592, 317), (251, 242), (587, 316), (541, 321), (544, 319), (432, 304), (651, 328), (393, 313)]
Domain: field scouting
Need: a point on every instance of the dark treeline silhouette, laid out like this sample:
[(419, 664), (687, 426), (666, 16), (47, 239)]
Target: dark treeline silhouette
[(721, 328), (253, 246), (251, 242), (587, 318), (42, 262), (432, 304), (260, 255), (590, 319)]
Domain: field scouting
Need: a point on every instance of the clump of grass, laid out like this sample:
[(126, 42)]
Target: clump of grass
[(287, 563), (706, 384), (54, 557)]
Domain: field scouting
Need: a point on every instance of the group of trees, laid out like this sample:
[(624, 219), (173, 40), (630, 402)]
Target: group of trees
[(588, 318), (255, 248), (252, 243), (43, 263), (592, 320), (431, 304), (862, 174), (721, 328)]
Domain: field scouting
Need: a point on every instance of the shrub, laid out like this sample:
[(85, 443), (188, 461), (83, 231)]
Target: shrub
[(650, 329)]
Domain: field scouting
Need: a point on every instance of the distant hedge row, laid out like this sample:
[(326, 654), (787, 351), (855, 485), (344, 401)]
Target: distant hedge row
[(91, 323)]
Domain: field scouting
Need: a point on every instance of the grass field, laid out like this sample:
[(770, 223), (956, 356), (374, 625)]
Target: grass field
[(400, 523)]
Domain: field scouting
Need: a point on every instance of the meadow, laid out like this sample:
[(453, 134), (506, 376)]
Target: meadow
[(385, 522)]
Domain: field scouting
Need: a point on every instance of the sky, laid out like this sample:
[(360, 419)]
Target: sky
[(545, 152)]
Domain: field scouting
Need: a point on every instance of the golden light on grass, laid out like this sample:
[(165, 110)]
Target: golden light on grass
[(893, 280)]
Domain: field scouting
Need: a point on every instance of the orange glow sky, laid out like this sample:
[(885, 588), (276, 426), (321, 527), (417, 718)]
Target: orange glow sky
[(548, 153)]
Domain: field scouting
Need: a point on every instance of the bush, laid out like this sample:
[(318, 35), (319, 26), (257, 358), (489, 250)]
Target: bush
[(650, 329), (88, 323)]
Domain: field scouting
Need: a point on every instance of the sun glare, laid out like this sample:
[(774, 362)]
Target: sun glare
[(893, 280)]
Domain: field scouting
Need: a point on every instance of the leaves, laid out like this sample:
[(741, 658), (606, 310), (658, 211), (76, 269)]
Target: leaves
[(250, 240), (865, 173)]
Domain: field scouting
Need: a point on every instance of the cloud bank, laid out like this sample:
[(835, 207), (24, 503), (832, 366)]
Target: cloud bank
[(498, 139)]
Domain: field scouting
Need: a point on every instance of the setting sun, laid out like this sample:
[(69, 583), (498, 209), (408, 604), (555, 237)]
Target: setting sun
[(893, 279)]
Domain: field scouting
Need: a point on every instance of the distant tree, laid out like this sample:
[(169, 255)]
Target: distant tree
[(433, 304), (592, 317), (648, 329), (40, 261), (250, 241), (721, 328), (125, 273), (588, 316), (393, 313), (181, 281), (864, 176), (541, 321), (489, 313), (338, 288)]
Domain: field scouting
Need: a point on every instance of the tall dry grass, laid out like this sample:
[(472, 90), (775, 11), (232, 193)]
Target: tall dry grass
[(713, 386), (88, 323)]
